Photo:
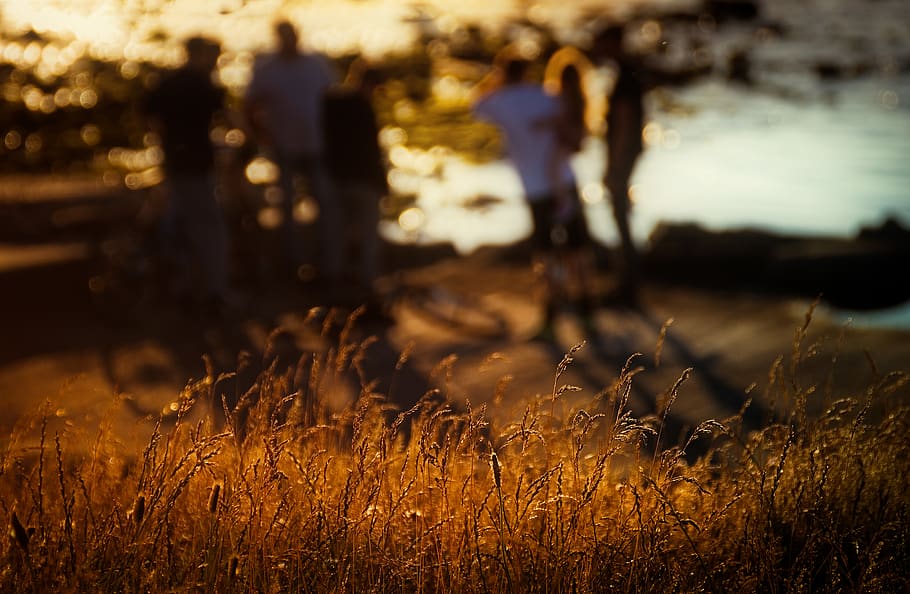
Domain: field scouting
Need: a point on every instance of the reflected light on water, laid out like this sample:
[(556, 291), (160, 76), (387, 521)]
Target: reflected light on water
[(90, 134), (12, 140), (88, 98), (135, 160), (261, 171), (231, 137), (448, 89), (235, 138), (652, 133), (593, 193), (400, 156), (390, 136), (650, 33), (306, 211), (270, 217), (33, 142), (403, 182), (412, 219), (273, 196), (718, 167), (144, 179)]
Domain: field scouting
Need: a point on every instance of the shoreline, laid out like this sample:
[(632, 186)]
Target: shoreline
[(70, 219), (72, 345)]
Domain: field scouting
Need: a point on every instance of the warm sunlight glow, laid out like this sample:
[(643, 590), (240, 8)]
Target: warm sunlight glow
[(390, 136), (306, 211), (270, 217), (652, 134), (261, 171), (412, 219), (593, 193)]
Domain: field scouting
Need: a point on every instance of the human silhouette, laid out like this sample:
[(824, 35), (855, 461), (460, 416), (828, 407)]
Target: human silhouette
[(624, 123), (571, 130), (563, 77), (524, 114), (356, 165), (181, 109), (283, 106), (625, 119)]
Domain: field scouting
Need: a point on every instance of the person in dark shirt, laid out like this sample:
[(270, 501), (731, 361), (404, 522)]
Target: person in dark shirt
[(624, 124), (180, 109), (355, 162), (283, 110), (625, 119)]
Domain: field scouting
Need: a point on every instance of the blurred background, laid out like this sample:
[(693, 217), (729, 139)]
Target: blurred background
[(802, 127), (784, 169)]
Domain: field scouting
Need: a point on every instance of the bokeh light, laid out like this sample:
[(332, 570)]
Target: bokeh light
[(74, 73), (412, 219), (261, 171)]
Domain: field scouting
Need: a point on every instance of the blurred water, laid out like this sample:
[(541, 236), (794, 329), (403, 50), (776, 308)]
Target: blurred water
[(744, 159), (795, 153), (891, 318)]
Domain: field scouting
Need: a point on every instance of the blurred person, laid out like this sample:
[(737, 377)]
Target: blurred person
[(284, 109), (518, 108), (625, 120), (356, 164), (563, 78), (624, 123), (181, 110), (570, 126)]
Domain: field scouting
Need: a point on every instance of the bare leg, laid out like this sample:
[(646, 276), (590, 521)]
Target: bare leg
[(628, 277)]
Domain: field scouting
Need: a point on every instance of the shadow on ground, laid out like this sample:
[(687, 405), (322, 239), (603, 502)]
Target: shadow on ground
[(64, 320)]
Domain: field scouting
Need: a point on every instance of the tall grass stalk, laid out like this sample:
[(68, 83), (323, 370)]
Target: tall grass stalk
[(282, 492)]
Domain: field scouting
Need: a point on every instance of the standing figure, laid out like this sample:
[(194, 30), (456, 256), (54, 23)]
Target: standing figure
[(625, 119), (181, 110), (283, 106), (571, 130), (356, 165), (524, 112), (563, 79), (624, 124)]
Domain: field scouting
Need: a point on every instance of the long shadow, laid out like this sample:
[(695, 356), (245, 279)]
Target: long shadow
[(729, 397), (59, 307), (674, 427), (609, 361), (50, 308)]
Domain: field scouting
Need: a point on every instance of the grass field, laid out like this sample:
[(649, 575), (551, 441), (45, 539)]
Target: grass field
[(274, 491)]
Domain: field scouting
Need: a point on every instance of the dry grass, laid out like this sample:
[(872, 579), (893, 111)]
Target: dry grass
[(438, 499)]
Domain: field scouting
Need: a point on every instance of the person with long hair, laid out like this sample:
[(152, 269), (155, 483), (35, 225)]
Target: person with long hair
[(575, 259), (527, 115)]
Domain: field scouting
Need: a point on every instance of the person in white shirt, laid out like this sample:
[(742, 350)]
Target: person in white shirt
[(283, 105), (525, 114)]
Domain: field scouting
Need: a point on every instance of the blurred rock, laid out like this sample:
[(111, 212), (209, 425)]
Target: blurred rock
[(732, 10), (860, 273)]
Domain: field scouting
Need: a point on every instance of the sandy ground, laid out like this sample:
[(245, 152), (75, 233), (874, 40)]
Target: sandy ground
[(64, 345)]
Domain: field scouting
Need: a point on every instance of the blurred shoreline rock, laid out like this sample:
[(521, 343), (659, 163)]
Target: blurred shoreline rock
[(864, 272), (732, 10)]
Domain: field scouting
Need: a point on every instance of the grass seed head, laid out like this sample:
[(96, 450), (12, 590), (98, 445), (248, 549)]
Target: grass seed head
[(18, 532), (213, 498), (139, 509), (497, 470)]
